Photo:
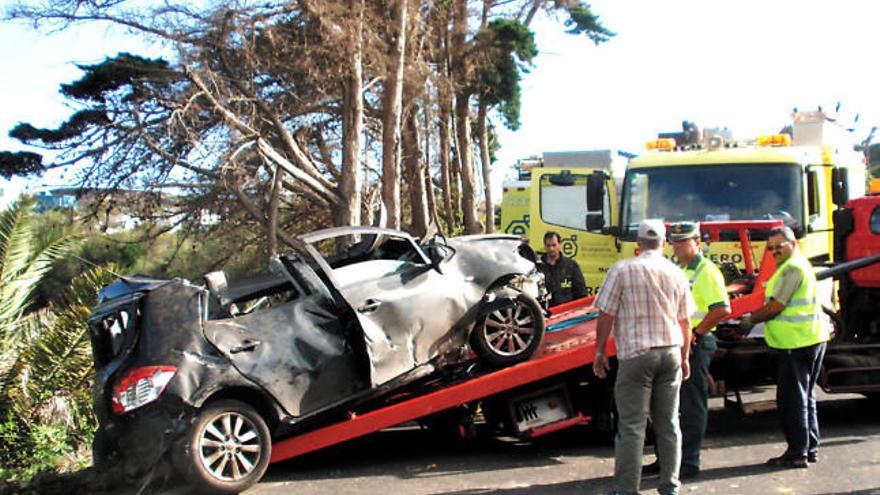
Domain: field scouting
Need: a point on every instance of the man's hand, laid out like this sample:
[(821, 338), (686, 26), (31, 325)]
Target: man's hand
[(685, 369), (600, 365)]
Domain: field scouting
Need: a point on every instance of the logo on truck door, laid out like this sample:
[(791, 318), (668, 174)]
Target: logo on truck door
[(569, 246), (518, 227)]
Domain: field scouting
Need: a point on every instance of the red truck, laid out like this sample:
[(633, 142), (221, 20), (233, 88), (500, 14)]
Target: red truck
[(852, 363)]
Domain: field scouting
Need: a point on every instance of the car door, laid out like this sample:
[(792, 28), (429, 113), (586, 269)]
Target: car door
[(409, 311), (296, 346)]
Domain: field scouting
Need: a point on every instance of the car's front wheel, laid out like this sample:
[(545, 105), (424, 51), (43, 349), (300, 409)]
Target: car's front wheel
[(511, 334), (226, 450)]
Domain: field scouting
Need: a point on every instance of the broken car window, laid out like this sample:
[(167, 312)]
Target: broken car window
[(365, 257)]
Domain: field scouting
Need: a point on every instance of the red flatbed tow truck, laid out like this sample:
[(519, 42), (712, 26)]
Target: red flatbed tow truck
[(556, 388), (537, 393)]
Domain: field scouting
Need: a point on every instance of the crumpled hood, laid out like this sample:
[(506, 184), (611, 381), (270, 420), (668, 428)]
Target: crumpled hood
[(491, 256)]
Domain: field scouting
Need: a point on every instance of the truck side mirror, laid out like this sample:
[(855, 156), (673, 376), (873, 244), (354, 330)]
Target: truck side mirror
[(839, 186), (596, 201)]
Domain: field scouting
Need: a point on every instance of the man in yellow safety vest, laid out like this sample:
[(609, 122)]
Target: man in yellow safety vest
[(794, 330)]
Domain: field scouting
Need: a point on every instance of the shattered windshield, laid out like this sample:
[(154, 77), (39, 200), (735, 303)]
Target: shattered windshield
[(754, 191)]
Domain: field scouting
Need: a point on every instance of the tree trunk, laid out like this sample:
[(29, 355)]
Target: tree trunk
[(449, 213), (274, 198), (432, 197), (426, 167), (466, 153), (412, 158), (487, 170), (349, 212), (462, 116), (484, 17), (392, 102)]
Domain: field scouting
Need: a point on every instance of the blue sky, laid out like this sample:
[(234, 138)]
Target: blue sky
[(743, 65)]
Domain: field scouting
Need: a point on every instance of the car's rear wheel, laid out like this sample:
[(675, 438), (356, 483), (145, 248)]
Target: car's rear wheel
[(509, 335), (226, 450)]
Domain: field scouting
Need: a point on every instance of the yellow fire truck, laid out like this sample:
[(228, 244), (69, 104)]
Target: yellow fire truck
[(795, 177)]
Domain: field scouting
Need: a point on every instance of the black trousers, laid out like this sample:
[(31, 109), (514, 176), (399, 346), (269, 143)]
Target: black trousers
[(694, 406), (796, 374)]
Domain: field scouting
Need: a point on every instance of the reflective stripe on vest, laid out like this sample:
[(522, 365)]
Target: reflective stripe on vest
[(798, 325)]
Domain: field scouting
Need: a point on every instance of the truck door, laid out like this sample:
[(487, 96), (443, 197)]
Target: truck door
[(819, 237), (579, 204)]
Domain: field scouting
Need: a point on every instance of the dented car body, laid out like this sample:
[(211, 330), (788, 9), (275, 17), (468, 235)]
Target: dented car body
[(211, 374)]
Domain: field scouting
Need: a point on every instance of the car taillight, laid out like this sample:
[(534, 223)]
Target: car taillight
[(140, 386)]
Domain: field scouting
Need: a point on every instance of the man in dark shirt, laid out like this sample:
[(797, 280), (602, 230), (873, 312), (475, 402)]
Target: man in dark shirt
[(563, 277)]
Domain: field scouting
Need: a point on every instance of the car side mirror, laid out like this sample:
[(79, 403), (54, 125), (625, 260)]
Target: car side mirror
[(435, 254)]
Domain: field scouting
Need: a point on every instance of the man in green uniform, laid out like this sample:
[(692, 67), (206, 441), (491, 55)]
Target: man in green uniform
[(710, 295), (794, 331)]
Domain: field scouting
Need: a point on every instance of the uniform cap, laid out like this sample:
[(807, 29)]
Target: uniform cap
[(652, 229), (683, 230)]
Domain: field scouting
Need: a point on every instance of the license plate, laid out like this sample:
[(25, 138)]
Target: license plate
[(541, 410)]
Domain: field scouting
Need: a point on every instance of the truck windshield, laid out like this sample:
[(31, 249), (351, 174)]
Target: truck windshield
[(728, 192)]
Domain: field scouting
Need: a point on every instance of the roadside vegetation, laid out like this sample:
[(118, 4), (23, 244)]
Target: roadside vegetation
[(51, 267)]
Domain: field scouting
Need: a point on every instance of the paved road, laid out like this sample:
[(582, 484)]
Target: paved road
[(412, 461)]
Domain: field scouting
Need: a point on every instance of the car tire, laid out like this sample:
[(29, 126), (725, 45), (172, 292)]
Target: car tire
[(509, 335), (226, 449)]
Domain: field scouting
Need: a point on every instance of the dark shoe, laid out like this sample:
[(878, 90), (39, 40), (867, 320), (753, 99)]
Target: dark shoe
[(688, 472), (651, 469), (788, 462), (812, 457)]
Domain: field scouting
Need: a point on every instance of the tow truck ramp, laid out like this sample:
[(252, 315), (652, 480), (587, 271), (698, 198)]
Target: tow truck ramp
[(569, 344)]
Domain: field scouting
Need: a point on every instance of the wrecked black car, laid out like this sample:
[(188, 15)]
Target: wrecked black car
[(208, 376)]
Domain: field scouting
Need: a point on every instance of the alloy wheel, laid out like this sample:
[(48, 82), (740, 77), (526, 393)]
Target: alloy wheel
[(230, 446), (510, 331)]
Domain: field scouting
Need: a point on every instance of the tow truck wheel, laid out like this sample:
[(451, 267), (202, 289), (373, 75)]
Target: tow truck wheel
[(509, 335), (226, 450)]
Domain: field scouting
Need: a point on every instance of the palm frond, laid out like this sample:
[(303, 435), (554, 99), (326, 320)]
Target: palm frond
[(16, 239), (14, 399), (16, 246), (24, 264), (60, 361)]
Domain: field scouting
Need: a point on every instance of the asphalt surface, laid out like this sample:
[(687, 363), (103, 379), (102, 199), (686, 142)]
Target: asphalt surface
[(578, 461)]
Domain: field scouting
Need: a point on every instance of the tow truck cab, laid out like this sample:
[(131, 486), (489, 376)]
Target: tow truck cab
[(707, 176)]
